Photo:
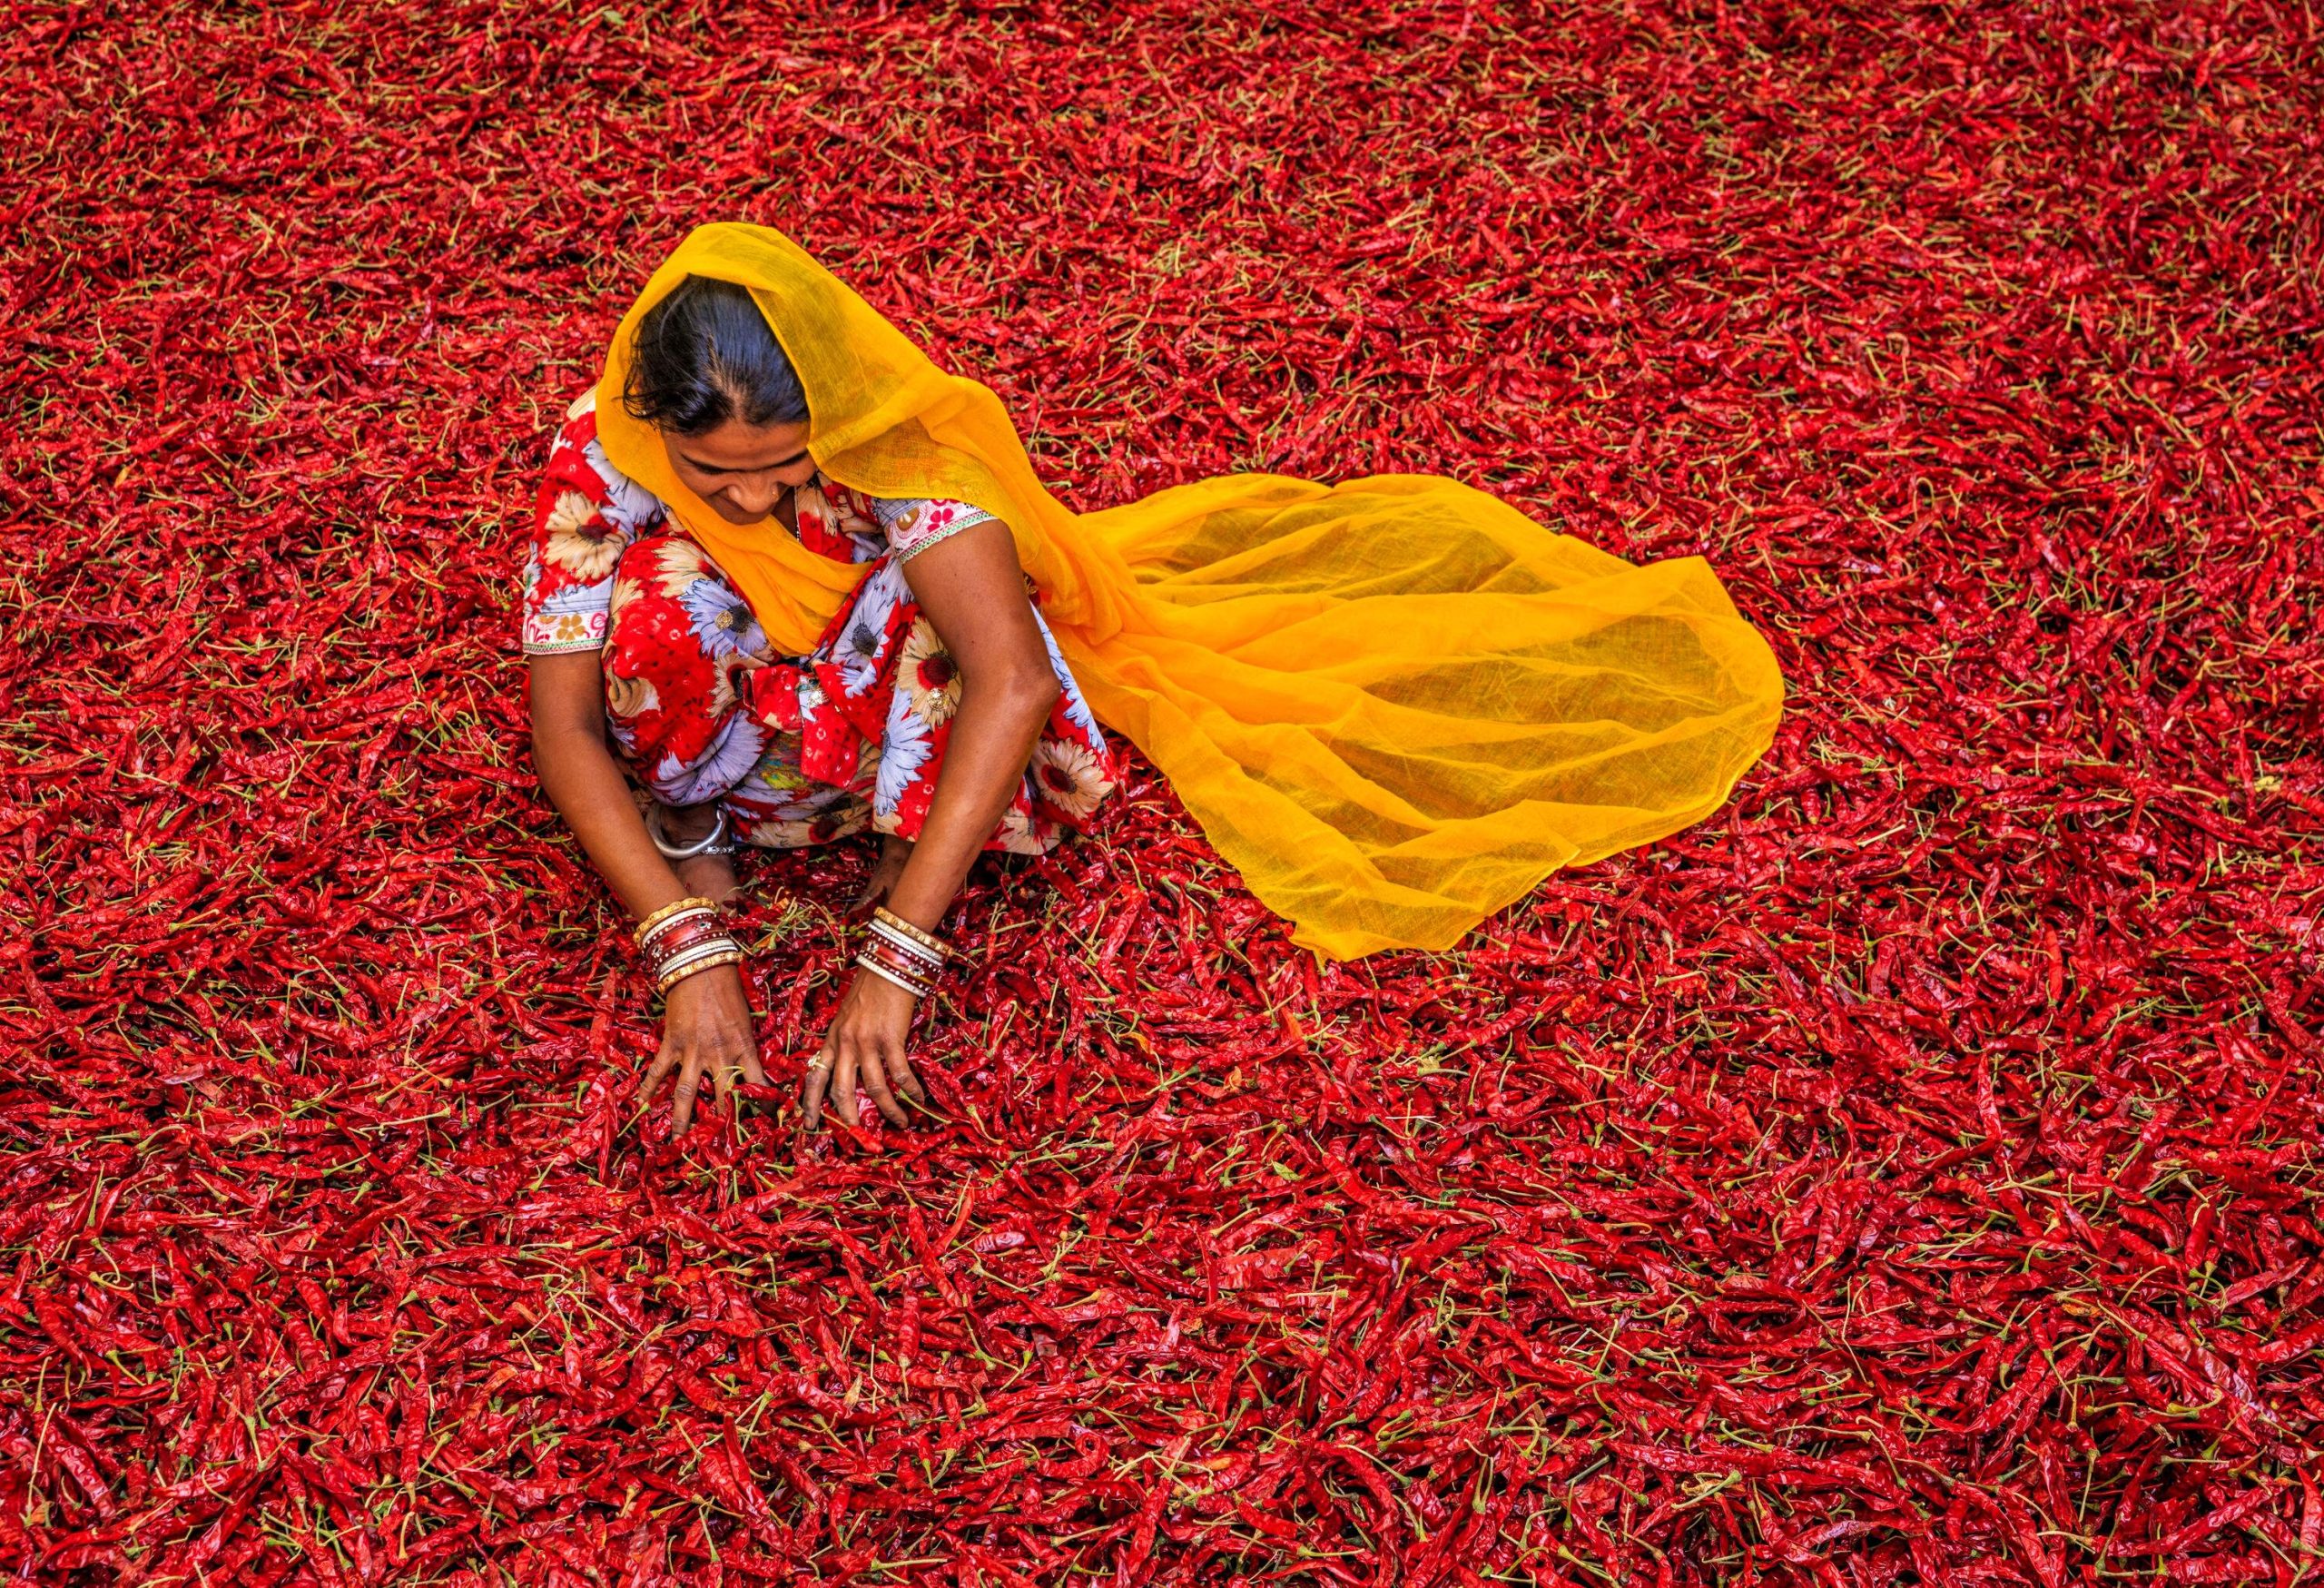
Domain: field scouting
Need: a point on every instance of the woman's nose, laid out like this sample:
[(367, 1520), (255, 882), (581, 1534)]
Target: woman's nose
[(757, 498)]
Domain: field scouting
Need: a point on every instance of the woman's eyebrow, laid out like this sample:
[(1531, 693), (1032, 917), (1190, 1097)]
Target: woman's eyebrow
[(781, 463)]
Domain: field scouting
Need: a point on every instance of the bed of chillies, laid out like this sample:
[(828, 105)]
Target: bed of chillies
[(1909, 1175)]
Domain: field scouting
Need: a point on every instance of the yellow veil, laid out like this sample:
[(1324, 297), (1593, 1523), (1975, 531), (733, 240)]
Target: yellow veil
[(1393, 703)]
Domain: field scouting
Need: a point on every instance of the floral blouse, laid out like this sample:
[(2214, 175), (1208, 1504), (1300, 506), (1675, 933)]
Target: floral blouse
[(588, 513)]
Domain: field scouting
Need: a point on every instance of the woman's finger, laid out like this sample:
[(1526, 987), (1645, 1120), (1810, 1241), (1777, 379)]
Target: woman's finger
[(722, 1073), (873, 1069), (689, 1084), (754, 1071), (819, 1081), (665, 1057), (843, 1102), (900, 1077)]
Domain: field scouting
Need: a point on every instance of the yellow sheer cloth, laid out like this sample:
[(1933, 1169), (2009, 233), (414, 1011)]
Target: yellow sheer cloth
[(1395, 704)]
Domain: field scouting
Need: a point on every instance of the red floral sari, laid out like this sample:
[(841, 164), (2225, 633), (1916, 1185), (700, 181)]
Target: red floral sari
[(801, 749)]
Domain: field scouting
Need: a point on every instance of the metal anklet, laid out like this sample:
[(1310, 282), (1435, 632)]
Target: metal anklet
[(716, 842)]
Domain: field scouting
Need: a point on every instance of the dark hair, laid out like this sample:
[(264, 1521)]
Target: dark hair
[(705, 355)]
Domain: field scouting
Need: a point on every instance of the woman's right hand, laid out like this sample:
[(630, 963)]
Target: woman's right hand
[(706, 1032)]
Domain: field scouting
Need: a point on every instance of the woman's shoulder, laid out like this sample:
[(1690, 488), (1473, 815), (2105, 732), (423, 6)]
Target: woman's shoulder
[(913, 524), (577, 461)]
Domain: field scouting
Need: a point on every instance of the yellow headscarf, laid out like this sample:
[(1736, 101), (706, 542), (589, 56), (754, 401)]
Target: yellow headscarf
[(1393, 703)]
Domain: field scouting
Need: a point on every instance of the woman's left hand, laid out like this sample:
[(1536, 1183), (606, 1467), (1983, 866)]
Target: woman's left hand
[(863, 1053)]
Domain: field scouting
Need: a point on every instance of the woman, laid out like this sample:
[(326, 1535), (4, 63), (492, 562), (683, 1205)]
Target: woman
[(800, 584), (634, 631)]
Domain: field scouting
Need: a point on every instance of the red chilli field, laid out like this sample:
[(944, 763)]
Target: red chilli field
[(1910, 1175)]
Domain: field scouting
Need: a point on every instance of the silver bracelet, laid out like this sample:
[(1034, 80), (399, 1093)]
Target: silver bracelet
[(714, 844)]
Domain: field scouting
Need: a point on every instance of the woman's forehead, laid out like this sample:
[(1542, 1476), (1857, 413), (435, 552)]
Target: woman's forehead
[(741, 447)]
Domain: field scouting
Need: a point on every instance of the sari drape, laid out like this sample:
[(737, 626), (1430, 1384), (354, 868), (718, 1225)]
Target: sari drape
[(1393, 705)]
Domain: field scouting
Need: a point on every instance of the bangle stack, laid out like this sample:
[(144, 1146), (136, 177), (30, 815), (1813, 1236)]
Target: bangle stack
[(902, 953), (683, 939)]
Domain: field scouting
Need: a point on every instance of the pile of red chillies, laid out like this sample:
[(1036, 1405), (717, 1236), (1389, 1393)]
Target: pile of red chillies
[(1908, 1174)]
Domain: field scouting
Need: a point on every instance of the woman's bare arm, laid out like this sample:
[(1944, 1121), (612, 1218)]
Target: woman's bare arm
[(578, 775), (706, 1018), (972, 593), (971, 589)]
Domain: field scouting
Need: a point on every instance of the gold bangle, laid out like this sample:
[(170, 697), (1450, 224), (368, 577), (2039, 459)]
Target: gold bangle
[(718, 943), (926, 939), (918, 990), (662, 988), (691, 967), (665, 912)]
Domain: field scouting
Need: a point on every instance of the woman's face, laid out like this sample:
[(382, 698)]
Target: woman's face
[(741, 470)]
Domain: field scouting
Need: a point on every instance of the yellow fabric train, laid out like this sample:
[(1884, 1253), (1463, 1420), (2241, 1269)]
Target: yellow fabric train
[(1393, 703)]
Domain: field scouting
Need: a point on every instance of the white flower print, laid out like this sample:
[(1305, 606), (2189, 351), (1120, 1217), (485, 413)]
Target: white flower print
[(676, 564), (579, 542), (716, 771), (1023, 833), (625, 591), (926, 672), (904, 751), (721, 692), (570, 514), (722, 621), (1069, 777), (857, 650), (629, 505)]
